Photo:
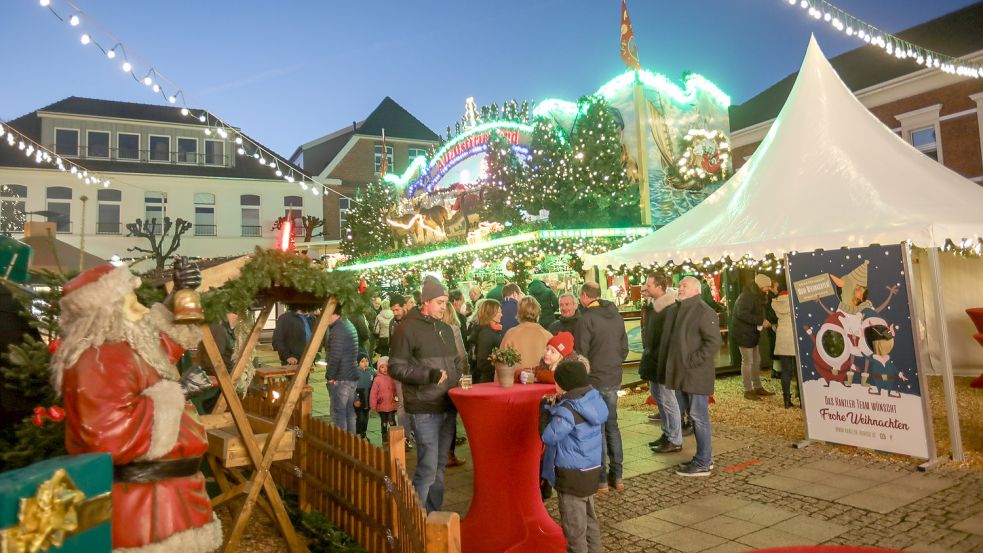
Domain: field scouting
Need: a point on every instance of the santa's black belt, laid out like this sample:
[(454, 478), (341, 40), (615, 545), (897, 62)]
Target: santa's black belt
[(151, 471)]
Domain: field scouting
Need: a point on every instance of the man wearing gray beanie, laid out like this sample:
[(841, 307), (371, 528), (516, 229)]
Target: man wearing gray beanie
[(423, 356)]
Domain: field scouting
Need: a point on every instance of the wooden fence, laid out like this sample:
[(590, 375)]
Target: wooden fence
[(362, 488)]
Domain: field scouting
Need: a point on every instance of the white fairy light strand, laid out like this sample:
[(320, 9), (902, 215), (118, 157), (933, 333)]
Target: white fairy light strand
[(171, 93), (40, 154), (892, 45)]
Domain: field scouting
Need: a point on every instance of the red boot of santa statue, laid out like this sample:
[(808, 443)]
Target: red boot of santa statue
[(115, 369)]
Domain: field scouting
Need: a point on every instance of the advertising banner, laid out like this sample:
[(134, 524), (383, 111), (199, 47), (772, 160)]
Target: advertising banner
[(852, 316)]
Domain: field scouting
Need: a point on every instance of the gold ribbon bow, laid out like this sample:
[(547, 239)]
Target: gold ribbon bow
[(52, 515)]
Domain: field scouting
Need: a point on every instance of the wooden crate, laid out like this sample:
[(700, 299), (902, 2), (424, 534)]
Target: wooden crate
[(226, 445)]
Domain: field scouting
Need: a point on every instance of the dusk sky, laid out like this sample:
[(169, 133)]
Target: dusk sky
[(290, 71)]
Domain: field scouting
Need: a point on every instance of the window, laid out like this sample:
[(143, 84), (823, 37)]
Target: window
[(160, 148), (214, 152), (187, 150), (60, 202), (925, 141), (12, 207), (155, 209), (343, 206), (127, 146), (293, 209), (107, 216), (67, 142), (414, 153), (97, 144), (250, 215), (205, 214), (378, 157)]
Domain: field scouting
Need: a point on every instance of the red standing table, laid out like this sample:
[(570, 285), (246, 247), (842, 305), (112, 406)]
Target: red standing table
[(507, 512)]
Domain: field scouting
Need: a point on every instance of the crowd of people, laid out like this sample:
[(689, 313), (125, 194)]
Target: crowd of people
[(423, 343)]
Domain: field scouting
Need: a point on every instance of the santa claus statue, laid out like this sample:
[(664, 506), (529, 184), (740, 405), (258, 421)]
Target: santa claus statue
[(122, 395)]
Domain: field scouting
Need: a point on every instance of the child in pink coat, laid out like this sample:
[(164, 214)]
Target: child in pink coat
[(382, 398)]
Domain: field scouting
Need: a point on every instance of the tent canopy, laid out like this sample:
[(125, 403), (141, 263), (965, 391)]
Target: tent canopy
[(827, 175)]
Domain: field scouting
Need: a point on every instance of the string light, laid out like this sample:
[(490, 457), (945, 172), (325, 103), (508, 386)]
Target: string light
[(173, 94), (892, 45), (40, 154)]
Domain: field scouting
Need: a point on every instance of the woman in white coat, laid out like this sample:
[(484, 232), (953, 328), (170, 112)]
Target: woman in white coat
[(785, 342)]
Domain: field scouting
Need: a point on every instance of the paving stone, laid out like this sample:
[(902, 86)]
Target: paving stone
[(727, 527), (876, 474), (971, 525), (769, 537), (877, 502), (806, 474), (776, 482), (647, 526), (689, 540), (831, 466), (922, 482), (685, 514), (810, 528), (762, 514), (850, 483), (728, 547), (821, 491)]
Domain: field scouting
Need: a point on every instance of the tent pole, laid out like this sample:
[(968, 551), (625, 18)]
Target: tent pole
[(948, 382)]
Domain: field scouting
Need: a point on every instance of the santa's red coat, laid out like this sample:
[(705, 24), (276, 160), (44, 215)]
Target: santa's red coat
[(112, 399)]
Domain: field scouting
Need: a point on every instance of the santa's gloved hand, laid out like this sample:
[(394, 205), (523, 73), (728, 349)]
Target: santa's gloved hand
[(194, 381), (186, 274)]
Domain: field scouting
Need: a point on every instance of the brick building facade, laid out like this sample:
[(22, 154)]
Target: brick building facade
[(349, 158), (939, 114)]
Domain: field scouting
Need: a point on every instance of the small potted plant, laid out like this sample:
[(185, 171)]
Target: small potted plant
[(505, 361)]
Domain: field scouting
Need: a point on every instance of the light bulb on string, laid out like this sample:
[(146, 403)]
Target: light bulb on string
[(85, 38), (74, 21), (127, 67)]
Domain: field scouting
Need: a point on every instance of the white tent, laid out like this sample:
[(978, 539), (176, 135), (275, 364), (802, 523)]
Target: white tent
[(827, 175)]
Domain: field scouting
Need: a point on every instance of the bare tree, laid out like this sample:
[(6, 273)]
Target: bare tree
[(145, 229)]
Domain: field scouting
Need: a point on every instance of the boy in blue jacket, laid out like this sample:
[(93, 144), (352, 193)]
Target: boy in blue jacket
[(572, 462)]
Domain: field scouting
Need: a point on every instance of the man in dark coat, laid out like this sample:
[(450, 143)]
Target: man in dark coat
[(749, 319), (424, 357), (657, 289), (568, 315), (600, 337), (687, 353), (292, 332), (342, 373), (547, 302)]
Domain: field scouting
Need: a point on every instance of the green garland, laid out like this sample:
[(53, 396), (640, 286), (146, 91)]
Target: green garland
[(269, 268)]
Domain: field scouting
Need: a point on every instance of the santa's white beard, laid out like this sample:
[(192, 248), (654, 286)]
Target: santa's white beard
[(108, 325)]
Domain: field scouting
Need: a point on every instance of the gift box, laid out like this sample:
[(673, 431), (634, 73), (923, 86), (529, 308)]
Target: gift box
[(61, 504)]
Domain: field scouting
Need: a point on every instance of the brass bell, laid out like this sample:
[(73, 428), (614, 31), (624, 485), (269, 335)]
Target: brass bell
[(187, 307)]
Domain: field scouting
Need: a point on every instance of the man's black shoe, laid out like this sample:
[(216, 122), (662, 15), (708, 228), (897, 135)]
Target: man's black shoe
[(667, 447), (663, 439)]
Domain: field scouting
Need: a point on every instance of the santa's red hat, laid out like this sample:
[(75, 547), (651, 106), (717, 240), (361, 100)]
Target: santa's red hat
[(97, 287), (562, 342)]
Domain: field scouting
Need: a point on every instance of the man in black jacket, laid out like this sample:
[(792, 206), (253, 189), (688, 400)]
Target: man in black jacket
[(661, 296), (749, 319), (292, 332), (342, 373), (568, 315), (424, 357), (687, 358), (600, 337)]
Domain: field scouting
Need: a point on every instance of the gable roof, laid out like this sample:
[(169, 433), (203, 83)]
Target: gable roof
[(827, 175), (955, 34), (30, 125), (388, 115)]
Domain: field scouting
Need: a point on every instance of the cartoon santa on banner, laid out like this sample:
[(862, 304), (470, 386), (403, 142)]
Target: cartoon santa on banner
[(122, 394)]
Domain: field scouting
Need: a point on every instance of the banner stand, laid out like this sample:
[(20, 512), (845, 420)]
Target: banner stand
[(921, 347), (948, 381), (798, 363)]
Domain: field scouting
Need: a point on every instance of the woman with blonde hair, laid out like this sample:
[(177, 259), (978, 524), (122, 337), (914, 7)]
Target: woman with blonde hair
[(486, 334), (528, 338)]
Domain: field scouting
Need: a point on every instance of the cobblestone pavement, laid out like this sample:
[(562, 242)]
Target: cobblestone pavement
[(763, 493)]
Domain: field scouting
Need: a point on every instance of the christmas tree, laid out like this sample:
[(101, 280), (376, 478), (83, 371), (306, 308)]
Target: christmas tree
[(599, 183), (26, 436), (505, 179), (366, 231), (549, 175)]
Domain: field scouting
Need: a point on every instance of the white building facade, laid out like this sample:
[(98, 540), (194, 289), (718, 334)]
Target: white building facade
[(159, 164)]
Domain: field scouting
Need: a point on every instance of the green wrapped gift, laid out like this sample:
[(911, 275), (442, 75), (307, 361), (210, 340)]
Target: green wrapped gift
[(62, 504), (15, 257)]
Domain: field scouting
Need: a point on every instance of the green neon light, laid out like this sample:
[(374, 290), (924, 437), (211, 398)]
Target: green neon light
[(498, 242), (420, 163), (694, 84)]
